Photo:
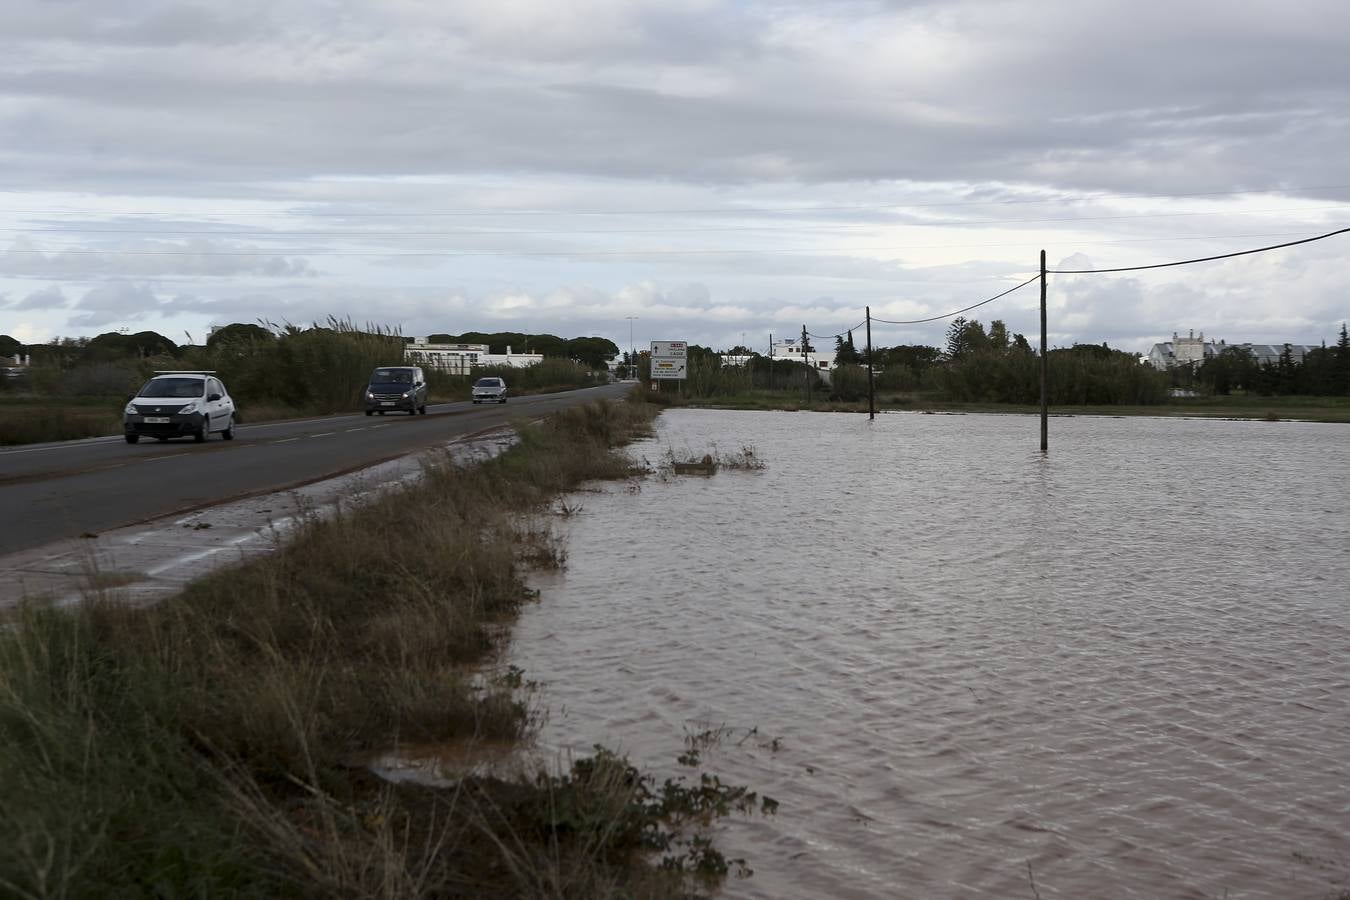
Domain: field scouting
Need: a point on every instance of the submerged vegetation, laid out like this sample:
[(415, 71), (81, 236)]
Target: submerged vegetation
[(690, 462), (222, 743)]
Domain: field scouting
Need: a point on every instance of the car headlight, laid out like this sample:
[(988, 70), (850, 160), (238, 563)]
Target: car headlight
[(407, 394), (131, 410), (370, 395), (189, 408)]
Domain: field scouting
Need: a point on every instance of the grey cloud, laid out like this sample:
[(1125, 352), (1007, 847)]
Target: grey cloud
[(1067, 113), (149, 23), (46, 298), (148, 259), (116, 302)]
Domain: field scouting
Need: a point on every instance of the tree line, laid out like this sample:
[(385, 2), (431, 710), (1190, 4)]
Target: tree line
[(995, 365), (1323, 371), (322, 368)]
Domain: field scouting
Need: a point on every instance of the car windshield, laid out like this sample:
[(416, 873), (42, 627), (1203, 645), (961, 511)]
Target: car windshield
[(177, 388), (489, 382), (392, 376)]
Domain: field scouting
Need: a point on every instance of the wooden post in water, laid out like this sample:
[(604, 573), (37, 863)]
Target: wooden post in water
[(807, 365), (871, 394), (1045, 370)]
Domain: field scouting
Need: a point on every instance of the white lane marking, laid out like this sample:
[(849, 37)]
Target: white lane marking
[(167, 456), (284, 441), (373, 427), (50, 447), (350, 430), (323, 434)]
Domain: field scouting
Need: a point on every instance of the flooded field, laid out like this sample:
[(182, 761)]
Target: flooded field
[(965, 670)]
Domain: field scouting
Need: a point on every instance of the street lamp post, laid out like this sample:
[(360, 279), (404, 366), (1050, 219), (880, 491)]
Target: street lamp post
[(632, 349)]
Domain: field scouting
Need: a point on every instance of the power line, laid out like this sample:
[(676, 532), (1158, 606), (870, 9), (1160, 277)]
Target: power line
[(1183, 262), (826, 337), (1187, 262), (1120, 269), (959, 311), (1033, 278)]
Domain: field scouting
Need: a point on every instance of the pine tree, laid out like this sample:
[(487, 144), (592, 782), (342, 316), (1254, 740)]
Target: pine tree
[(1341, 367)]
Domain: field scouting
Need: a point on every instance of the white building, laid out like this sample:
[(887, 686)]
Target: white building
[(461, 359), (1192, 350), (791, 349)]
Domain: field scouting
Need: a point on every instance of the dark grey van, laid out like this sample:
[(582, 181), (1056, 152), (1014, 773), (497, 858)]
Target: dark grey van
[(396, 388)]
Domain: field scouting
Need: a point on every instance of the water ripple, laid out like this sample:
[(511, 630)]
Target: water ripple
[(1122, 670)]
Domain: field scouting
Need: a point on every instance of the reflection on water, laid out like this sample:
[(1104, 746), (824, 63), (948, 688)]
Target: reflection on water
[(1123, 670)]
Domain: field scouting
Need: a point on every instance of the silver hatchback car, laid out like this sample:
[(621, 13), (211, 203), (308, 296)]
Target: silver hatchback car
[(179, 404), (489, 390)]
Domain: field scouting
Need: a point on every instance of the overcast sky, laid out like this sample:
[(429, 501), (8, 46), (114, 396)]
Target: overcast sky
[(720, 169)]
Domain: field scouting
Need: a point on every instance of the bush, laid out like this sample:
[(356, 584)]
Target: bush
[(323, 369), (848, 383), (1085, 375)]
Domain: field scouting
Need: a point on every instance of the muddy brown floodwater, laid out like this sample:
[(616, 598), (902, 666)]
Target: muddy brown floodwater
[(1121, 671)]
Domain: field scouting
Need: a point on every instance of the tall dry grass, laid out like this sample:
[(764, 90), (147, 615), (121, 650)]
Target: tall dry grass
[(219, 744)]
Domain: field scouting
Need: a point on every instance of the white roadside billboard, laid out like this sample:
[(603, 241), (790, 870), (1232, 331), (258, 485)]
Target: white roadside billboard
[(668, 360)]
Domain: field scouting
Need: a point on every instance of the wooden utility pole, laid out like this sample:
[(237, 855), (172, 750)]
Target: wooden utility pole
[(871, 393), (770, 361), (1045, 370), (807, 366)]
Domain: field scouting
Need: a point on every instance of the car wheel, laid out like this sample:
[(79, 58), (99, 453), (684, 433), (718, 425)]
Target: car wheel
[(133, 438), (370, 412), (381, 412), (423, 409), (228, 433), (199, 436), (503, 400), (161, 439)]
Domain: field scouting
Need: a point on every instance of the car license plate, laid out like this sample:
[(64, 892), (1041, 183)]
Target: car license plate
[(157, 420), (386, 402)]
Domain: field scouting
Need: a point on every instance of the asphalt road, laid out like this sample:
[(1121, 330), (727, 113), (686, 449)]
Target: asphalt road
[(54, 491)]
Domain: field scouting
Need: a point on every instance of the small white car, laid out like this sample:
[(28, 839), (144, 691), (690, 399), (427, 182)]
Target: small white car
[(179, 404), (489, 390)]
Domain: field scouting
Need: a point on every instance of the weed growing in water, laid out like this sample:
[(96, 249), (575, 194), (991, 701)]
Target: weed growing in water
[(538, 547), (687, 461), (568, 510), (603, 796)]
